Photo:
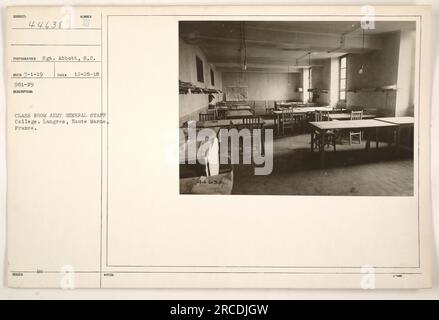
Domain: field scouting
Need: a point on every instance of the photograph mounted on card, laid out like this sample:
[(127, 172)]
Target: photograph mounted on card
[(218, 147)]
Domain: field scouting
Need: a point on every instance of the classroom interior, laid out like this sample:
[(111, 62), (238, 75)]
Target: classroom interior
[(338, 97)]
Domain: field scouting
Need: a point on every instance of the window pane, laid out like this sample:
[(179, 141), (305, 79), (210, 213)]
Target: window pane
[(343, 62), (343, 76), (343, 85), (342, 95), (343, 73), (212, 77)]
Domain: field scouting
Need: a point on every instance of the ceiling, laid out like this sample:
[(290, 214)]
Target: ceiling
[(282, 46)]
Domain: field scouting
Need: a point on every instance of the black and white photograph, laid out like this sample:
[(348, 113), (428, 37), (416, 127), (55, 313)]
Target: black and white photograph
[(319, 108)]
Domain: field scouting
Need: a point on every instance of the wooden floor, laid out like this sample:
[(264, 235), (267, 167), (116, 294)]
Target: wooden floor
[(351, 171)]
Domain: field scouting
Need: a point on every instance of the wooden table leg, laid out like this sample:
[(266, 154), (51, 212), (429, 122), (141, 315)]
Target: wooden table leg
[(368, 139), (376, 137), (278, 124), (322, 147), (312, 140), (393, 138), (263, 140)]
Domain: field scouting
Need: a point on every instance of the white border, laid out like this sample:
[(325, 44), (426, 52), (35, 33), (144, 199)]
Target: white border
[(6, 293)]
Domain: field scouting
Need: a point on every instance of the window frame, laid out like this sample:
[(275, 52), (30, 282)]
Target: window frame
[(199, 69), (212, 77), (310, 86), (340, 79)]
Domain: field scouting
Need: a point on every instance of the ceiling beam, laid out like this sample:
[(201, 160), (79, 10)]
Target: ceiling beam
[(267, 59), (253, 67), (278, 39)]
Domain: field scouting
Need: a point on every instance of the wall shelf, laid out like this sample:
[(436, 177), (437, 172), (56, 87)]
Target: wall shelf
[(316, 90), (375, 89), (188, 87)]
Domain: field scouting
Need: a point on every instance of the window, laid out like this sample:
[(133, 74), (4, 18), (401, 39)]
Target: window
[(343, 78), (305, 83), (200, 73), (309, 95), (212, 77)]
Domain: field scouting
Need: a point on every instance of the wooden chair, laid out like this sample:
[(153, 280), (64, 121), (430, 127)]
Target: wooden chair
[(330, 134), (321, 115), (252, 123), (214, 112), (356, 115), (287, 119), (206, 116)]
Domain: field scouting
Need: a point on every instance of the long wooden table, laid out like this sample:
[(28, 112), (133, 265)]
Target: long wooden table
[(347, 116), (289, 104), (236, 114), (240, 107), (401, 122), (213, 123), (324, 126)]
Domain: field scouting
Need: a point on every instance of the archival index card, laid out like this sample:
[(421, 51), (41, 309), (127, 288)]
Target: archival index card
[(120, 171)]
